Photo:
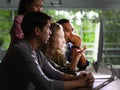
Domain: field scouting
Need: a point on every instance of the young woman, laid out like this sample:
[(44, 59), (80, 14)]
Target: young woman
[(24, 7), (55, 51)]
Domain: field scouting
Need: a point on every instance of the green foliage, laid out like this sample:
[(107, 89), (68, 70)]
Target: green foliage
[(5, 25), (84, 22), (4, 14)]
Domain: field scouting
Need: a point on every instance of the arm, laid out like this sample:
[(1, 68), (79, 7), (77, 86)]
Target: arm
[(27, 65), (16, 31), (68, 79), (76, 55), (75, 58), (83, 58), (76, 40), (80, 81)]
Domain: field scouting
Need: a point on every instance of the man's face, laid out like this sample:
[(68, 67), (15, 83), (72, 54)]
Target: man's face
[(68, 29), (45, 34)]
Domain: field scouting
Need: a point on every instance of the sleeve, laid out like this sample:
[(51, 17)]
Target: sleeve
[(47, 68), (32, 71), (16, 31)]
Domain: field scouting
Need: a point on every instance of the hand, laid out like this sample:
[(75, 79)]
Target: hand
[(75, 40), (76, 54), (84, 81), (82, 50), (91, 79), (83, 74), (76, 50)]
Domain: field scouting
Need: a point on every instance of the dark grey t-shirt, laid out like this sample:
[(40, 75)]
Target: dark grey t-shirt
[(22, 67)]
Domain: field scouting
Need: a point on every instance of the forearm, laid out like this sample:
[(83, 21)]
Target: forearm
[(73, 64), (75, 58), (83, 59), (80, 81), (68, 77), (69, 85), (74, 84)]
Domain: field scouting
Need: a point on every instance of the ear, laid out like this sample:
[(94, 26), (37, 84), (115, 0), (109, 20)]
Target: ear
[(37, 31)]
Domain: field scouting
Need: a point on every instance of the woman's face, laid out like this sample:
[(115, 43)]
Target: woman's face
[(37, 6), (60, 40)]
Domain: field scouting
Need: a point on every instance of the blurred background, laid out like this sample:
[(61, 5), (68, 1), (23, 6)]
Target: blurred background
[(85, 16)]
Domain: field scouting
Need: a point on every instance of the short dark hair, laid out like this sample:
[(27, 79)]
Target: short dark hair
[(61, 21), (33, 19)]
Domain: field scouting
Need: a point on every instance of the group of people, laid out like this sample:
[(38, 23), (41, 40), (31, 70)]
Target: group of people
[(37, 55)]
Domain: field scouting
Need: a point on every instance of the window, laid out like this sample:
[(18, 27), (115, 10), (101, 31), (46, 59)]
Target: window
[(85, 23)]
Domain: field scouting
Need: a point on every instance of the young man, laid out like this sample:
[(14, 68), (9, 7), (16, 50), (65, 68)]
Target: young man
[(73, 42), (25, 69)]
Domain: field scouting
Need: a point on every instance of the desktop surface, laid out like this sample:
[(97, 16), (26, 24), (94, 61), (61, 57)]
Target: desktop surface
[(114, 85), (104, 79)]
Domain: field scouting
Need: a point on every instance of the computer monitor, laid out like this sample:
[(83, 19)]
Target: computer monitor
[(99, 47)]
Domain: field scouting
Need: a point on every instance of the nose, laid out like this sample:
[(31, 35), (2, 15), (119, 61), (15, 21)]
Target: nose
[(71, 33), (64, 40), (40, 9)]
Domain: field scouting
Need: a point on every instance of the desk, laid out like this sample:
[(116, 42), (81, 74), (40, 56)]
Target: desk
[(114, 85), (101, 82)]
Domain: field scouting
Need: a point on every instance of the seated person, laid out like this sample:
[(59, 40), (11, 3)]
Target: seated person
[(55, 51), (73, 41), (23, 68)]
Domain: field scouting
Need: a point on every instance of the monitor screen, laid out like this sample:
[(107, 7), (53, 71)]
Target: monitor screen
[(99, 47)]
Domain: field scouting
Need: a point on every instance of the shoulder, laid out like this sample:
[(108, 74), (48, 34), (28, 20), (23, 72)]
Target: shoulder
[(59, 56), (18, 51), (69, 46), (18, 47), (19, 18), (40, 55)]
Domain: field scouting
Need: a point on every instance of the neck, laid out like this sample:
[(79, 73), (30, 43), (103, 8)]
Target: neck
[(34, 44)]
